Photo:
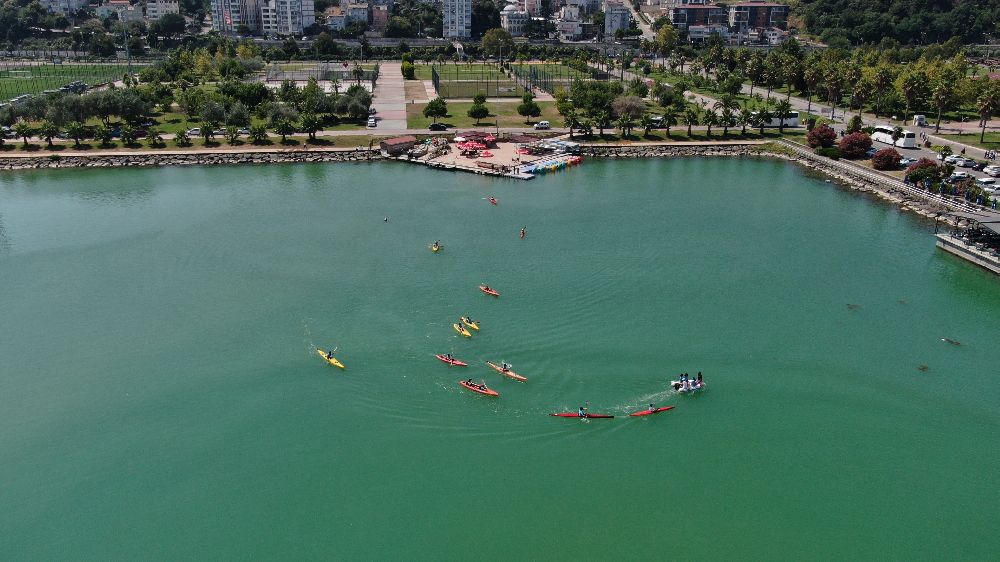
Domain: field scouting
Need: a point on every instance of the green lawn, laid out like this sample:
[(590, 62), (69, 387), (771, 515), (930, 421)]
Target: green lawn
[(461, 71), (502, 114), (30, 78), (991, 142)]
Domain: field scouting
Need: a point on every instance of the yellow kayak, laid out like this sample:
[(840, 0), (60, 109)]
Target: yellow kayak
[(436, 249), (473, 325), (331, 360), (461, 329)]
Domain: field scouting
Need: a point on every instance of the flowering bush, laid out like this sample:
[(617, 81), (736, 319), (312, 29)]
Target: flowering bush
[(821, 136), (886, 159), (855, 145)]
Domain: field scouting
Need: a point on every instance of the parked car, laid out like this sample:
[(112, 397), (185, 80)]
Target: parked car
[(195, 132), (957, 176), (871, 152), (371, 111), (542, 125), (243, 131), (372, 123), (966, 162), (992, 170), (438, 127), (954, 159), (907, 161), (986, 182)]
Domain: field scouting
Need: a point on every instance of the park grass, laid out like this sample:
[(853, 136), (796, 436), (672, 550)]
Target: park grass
[(990, 142), (25, 78), (501, 115)]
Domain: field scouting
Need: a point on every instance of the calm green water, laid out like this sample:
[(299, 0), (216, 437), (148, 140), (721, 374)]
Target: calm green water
[(160, 397)]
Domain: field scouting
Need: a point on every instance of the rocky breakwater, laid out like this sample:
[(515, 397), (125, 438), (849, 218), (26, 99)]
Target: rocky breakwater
[(122, 160), (671, 150)]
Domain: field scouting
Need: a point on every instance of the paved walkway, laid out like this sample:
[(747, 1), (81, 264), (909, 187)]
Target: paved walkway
[(390, 97)]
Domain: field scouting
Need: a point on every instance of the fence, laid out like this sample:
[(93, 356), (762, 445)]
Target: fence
[(551, 77), (28, 75), (467, 80), (952, 203), (322, 71)]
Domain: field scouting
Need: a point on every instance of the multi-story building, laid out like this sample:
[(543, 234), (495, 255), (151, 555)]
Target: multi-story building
[(356, 12), (379, 17), (63, 6), (286, 17), (684, 15), (126, 11), (617, 16), (757, 15), (229, 15), (457, 19), (697, 33), (514, 20), (156, 9)]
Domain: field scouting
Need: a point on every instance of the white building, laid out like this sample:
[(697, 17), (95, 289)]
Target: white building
[(616, 16), (286, 17), (63, 6), (156, 9), (703, 32), (126, 11), (514, 20), (228, 15), (457, 19)]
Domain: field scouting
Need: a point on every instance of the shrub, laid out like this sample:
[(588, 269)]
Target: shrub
[(886, 159), (821, 136), (855, 124), (408, 70), (923, 169), (855, 145), (833, 153)]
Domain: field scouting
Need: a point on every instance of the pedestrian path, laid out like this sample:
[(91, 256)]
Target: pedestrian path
[(390, 97)]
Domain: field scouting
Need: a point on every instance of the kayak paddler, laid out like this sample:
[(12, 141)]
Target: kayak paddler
[(652, 408), (524, 231), (504, 367), (329, 354), (582, 413), (448, 355)]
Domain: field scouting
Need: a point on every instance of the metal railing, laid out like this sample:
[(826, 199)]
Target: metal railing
[(952, 203)]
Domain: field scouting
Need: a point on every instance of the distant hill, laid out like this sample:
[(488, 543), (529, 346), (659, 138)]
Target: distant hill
[(911, 22)]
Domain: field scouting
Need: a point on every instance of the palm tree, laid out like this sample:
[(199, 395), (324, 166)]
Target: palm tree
[(727, 120), (988, 103), (691, 117), (781, 111), (154, 137), (862, 92), (76, 131), (764, 117), (912, 88), (625, 124), (711, 118), (745, 117), (883, 81), (813, 77), (602, 119), (646, 122), (284, 128), (22, 130), (726, 103), (942, 95), (834, 87), (669, 119), (48, 130)]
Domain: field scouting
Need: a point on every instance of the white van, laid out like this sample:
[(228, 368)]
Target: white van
[(542, 125), (919, 120)]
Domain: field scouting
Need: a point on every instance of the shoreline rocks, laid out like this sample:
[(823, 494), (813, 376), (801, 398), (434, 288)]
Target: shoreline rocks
[(147, 159)]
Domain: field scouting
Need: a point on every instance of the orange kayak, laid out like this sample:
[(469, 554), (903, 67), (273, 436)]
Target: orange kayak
[(488, 291), (481, 389), (507, 373)]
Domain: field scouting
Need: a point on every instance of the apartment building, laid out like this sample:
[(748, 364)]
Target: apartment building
[(617, 16), (229, 15), (457, 19), (156, 9), (286, 17), (514, 20), (63, 6), (757, 15)]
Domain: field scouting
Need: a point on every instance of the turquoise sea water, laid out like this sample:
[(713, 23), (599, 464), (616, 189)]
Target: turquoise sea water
[(160, 396)]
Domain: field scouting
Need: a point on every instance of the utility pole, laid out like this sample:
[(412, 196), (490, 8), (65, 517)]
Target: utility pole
[(128, 56)]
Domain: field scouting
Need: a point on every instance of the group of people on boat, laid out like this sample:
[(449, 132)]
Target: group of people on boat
[(686, 384), (479, 386)]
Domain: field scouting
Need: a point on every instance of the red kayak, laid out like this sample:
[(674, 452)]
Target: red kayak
[(452, 361), (507, 373), (650, 412), (488, 291), (576, 415), (493, 200), (480, 389)]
